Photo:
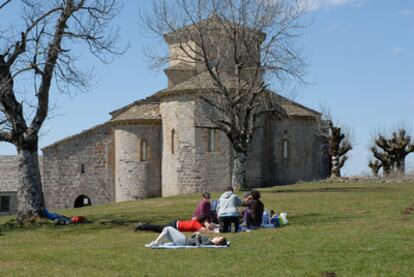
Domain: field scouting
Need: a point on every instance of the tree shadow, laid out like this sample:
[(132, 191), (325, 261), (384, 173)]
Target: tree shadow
[(335, 189), (316, 219)]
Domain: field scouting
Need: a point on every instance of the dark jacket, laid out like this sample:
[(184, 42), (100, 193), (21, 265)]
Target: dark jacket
[(256, 208), (198, 239)]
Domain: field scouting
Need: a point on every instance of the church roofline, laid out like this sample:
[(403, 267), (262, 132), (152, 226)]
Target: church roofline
[(69, 138), (213, 22), (152, 99)]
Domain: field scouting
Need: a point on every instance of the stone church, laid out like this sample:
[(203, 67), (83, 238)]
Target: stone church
[(163, 145)]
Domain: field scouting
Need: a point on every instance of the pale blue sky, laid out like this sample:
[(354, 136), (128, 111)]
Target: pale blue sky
[(361, 56)]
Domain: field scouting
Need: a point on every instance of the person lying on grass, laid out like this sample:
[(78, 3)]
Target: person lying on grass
[(59, 219), (173, 235), (198, 224)]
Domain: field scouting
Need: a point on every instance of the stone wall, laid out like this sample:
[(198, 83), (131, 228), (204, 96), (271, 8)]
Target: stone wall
[(136, 176), (306, 151), (191, 168), (8, 173), (9, 182), (80, 165), (178, 170)]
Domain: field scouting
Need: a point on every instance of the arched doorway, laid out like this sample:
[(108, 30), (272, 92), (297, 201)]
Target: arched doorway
[(82, 201)]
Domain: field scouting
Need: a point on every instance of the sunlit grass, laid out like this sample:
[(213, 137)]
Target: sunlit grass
[(348, 228)]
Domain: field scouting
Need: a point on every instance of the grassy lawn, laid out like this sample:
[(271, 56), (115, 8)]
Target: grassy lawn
[(347, 228)]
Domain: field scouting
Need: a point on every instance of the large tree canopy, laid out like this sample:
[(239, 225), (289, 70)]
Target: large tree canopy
[(44, 51), (241, 45)]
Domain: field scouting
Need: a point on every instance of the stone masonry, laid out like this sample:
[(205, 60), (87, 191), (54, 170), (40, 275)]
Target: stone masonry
[(166, 145), (8, 182)]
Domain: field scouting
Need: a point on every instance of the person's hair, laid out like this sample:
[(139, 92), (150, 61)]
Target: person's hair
[(222, 242), (229, 188), (206, 194), (255, 194)]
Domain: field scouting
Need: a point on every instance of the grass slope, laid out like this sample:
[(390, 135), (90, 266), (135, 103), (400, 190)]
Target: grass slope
[(347, 228)]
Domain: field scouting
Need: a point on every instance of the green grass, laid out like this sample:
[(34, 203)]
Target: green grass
[(348, 228)]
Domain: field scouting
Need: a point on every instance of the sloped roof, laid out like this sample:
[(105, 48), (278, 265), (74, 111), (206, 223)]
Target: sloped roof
[(203, 81), (82, 133), (152, 99), (139, 111), (212, 22)]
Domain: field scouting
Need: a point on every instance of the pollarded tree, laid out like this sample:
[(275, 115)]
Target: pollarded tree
[(375, 166), (239, 45), (381, 150), (339, 146), (44, 51), (391, 152), (401, 145)]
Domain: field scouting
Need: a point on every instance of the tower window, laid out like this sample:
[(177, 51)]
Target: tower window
[(285, 149), (144, 150), (82, 168), (211, 140), (172, 141)]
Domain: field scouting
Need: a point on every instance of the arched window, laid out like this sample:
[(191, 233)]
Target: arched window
[(285, 154), (144, 150), (211, 140), (81, 201), (172, 141)]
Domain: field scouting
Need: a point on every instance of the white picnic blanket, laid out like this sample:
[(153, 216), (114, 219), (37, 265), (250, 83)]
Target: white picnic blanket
[(170, 245)]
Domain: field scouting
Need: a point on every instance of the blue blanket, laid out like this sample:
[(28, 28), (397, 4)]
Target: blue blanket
[(170, 245)]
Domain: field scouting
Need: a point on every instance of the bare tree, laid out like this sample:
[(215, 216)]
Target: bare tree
[(375, 166), (391, 152), (240, 45), (339, 146), (401, 145), (381, 151), (44, 50)]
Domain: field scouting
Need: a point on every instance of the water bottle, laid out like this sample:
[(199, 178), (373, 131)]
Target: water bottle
[(265, 217)]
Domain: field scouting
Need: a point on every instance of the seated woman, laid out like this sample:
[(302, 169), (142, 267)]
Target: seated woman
[(171, 234), (198, 224), (252, 216)]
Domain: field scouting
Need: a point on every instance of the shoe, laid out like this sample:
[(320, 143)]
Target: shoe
[(139, 226), (151, 244)]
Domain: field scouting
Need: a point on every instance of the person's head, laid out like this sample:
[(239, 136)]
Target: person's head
[(255, 194), (230, 188), (219, 241), (247, 196), (206, 196)]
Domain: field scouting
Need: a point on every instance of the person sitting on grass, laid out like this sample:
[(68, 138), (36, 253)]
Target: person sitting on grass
[(227, 212), (198, 224), (203, 207), (173, 235), (252, 216)]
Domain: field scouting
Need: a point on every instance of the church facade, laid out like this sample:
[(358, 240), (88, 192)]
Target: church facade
[(164, 145)]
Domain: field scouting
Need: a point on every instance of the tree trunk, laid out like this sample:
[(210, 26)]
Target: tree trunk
[(335, 168), (29, 194), (400, 166), (238, 179)]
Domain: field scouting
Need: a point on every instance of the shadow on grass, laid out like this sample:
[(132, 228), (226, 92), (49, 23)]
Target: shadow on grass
[(316, 219), (336, 189)]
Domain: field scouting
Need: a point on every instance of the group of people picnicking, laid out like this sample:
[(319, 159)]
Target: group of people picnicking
[(207, 216)]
